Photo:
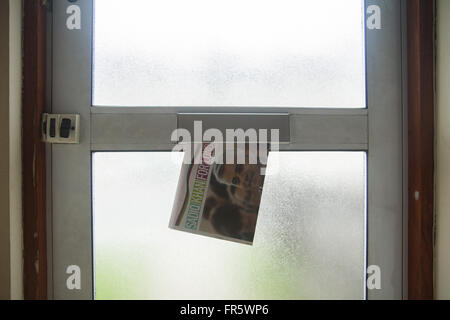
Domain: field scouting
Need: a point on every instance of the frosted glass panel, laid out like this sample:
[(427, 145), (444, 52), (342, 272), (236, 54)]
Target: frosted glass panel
[(269, 53), (309, 241)]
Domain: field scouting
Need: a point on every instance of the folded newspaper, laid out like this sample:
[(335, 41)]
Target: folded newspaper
[(218, 200)]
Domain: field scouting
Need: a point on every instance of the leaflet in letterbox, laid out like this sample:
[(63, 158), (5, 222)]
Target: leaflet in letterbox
[(218, 200)]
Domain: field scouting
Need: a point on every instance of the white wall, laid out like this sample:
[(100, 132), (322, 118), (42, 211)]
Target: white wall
[(442, 249), (15, 147), (11, 262)]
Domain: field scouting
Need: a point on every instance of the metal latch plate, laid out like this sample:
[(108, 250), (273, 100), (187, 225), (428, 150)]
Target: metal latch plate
[(61, 128)]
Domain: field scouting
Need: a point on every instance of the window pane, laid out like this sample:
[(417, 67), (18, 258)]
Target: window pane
[(309, 241), (268, 53)]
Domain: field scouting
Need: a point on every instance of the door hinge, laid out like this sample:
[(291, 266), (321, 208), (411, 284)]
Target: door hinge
[(61, 128)]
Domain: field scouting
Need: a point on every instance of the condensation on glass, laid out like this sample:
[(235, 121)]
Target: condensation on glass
[(266, 53), (309, 241)]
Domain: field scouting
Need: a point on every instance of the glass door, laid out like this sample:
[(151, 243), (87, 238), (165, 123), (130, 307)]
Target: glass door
[(321, 72)]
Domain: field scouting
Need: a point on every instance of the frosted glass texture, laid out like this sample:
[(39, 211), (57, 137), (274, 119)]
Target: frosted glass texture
[(241, 53), (309, 241)]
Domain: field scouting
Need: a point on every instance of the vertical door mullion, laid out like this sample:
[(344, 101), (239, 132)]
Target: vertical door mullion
[(71, 164), (384, 97)]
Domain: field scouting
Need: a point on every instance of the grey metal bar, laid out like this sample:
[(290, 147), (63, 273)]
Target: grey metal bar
[(71, 163), (384, 96)]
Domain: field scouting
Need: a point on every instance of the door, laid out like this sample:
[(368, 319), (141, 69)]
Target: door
[(327, 74)]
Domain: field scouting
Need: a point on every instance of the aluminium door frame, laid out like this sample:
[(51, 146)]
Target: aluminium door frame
[(71, 93)]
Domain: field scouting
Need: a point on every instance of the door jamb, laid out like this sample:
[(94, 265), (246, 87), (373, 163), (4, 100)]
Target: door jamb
[(33, 151), (420, 35)]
